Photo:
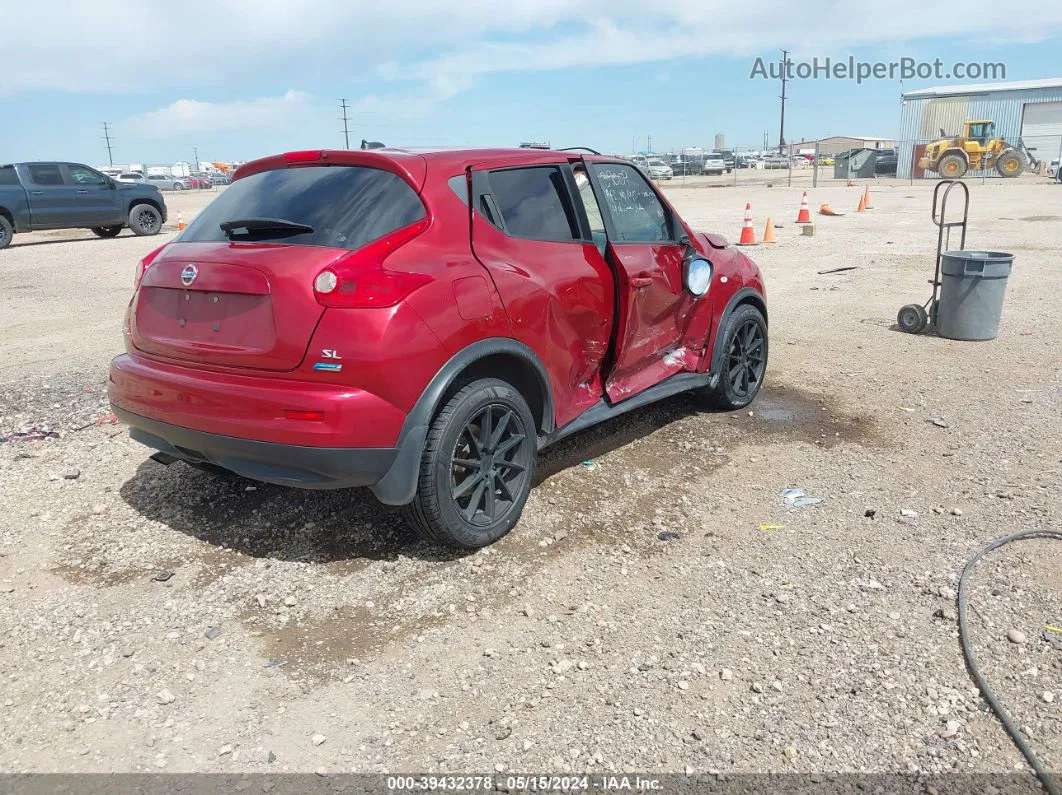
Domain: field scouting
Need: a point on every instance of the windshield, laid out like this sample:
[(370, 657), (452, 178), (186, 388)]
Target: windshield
[(338, 206), (656, 162)]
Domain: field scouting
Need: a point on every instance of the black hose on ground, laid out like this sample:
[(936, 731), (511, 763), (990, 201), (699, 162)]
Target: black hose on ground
[(975, 671)]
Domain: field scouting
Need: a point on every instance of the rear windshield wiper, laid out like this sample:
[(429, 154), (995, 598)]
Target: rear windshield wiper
[(252, 225)]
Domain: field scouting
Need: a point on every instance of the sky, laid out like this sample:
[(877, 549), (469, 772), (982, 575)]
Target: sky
[(239, 79)]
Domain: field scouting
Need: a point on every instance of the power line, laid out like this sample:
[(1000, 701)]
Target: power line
[(107, 138), (346, 127)]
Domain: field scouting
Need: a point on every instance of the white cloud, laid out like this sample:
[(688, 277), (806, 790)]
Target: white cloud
[(187, 116), (141, 46)]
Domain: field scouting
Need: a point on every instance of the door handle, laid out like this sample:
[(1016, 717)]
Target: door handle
[(644, 279), (38, 193), (82, 190)]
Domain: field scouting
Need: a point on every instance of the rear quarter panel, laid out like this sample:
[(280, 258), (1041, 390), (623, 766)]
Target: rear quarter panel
[(461, 304)]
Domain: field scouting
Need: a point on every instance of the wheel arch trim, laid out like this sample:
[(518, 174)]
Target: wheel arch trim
[(746, 295), (399, 485)]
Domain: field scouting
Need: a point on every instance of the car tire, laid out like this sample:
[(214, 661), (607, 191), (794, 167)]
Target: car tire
[(7, 232), (145, 220), (107, 231), (477, 466), (744, 361)]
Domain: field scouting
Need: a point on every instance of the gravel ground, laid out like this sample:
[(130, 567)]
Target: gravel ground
[(656, 609)]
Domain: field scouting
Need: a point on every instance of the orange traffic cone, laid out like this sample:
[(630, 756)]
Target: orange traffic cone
[(866, 198), (748, 237), (180, 220), (804, 216), (826, 209), (862, 208), (768, 233)]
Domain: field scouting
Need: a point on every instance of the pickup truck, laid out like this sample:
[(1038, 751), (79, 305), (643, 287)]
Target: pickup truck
[(36, 196)]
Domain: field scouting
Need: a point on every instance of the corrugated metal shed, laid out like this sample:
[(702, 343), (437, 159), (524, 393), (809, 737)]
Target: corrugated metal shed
[(926, 111)]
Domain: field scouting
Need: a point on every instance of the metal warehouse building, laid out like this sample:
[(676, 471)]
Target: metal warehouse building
[(1031, 110)]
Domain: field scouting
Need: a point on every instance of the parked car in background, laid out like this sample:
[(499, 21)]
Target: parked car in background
[(686, 168), (886, 163), (200, 181), (714, 164), (728, 158), (160, 181), (36, 196), (220, 178), (745, 161), (826, 160), (184, 182), (275, 357), (1053, 170)]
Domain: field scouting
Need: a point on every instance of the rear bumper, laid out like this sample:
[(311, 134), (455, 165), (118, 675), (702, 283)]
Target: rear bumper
[(238, 422), (269, 462)]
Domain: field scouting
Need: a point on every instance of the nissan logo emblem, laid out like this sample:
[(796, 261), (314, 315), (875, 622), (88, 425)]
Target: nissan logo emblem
[(189, 273)]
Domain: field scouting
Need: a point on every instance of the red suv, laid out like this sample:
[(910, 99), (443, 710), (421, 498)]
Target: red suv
[(424, 322)]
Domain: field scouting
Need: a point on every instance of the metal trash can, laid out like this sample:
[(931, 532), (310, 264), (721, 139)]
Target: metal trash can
[(972, 284)]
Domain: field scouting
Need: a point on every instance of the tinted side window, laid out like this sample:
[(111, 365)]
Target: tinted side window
[(346, 206), (636, 212), (82, 175), (533, 203), (46, 175), (8, 176)]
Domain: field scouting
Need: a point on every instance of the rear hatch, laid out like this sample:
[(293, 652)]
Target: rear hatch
[(236, 288)]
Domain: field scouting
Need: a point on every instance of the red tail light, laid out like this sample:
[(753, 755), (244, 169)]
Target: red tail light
[(305, 156), (361, 280), (145, 263)]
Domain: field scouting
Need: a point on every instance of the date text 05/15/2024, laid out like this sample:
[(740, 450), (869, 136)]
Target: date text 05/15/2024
[(523, 783)]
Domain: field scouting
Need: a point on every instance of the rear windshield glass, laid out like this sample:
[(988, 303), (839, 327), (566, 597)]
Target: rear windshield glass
[(8, 176), (346, 206)]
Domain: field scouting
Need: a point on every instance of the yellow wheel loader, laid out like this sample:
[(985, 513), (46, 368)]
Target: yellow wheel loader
[(978, 148)]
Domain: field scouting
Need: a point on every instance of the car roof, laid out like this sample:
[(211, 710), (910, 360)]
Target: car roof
[(414, 163)]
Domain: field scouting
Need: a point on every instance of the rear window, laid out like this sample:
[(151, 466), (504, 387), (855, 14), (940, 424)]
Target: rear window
[(8, 176), (346, 206), (46, 175), (534, 203)]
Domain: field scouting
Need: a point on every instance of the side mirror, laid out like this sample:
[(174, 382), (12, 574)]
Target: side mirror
[(697, 275)]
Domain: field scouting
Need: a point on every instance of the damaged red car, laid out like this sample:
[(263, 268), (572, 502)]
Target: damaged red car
[(423, 323)]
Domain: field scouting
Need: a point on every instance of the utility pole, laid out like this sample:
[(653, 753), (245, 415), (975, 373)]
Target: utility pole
[(107, 138), (195, 151), (781, 126), (346, 128), (648, 144)]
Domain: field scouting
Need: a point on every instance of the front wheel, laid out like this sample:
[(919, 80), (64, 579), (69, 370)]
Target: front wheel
[(106, 231), (744, 362), (145, 220), (476, 470), (1010, 163), (6, 232)]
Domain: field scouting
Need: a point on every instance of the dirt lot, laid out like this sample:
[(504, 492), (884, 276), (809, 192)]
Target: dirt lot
[(656, 609)]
